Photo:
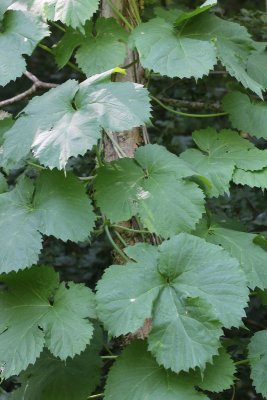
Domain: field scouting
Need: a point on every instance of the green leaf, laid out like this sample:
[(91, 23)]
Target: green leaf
[(258, 361), (192, 49), (150, 186), (101, 48), (67, 120), (257, 67), (241, 245), (52, 379), (4, 6), (136, 375), (246, 115), (221, 152), (162, 49), (251, 178), (219, 375), (45, 313), (63, 207), (233, 46), (219, 172), (55, 206), (3, 184), (20, 31), (199, 10), (71, 12), (185, 291)]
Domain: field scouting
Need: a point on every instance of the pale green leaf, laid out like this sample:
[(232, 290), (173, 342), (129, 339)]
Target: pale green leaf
[(247, 115), (252, 257), (136, 375), (101, 48), (52, 379), (163, 49), (150, 186), (251, 178), (21, 32), (67, 120), (258, 361), (219, 375), (229, 146), (219, 172), (45, 313), (56, 205), (185, 290), (71, 12), (221, 152)]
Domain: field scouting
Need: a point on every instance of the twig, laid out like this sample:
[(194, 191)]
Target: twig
[(37, 84), (96, 396)]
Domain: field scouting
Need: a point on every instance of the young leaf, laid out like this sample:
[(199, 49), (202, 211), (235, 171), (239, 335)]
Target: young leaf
[(185, 290), (101, 48), (245, 115), (67, 120), (22, 31), (252, 258), (45, 313), (52, 379), (258, 361), (221, 152), (136, 375), (55, 206), (71, 12), (150, 186)]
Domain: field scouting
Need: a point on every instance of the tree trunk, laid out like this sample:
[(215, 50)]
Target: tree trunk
[(127, 140)]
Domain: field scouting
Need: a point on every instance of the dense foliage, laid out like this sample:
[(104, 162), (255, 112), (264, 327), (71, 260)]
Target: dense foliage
[(173, 309)]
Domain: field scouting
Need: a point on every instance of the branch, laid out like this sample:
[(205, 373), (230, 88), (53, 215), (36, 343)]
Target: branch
[(37, 84), (194, 105)]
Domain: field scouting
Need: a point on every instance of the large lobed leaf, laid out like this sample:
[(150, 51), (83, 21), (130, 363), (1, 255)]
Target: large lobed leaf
[(53, 379), (67, 120), (190, 44), (220, 154), (136, 375), (38, 311), (55, 205), (187, 287), (21, 32), (151, 187)]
